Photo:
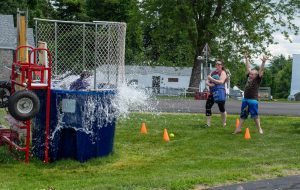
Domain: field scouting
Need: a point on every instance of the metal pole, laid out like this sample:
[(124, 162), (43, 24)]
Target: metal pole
[(75, 22), (122, 54), (36, 35), (206, 55), (55, 47), (96, 47), (27, 152), (83, 47), (108, 60)]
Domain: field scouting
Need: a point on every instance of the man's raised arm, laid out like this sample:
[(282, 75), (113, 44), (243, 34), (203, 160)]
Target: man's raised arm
[(248, 68), (262, 66)]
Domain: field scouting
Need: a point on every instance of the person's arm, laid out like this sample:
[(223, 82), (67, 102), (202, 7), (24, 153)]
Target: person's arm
[(209, 77), (209, 84), (221, 80), (248, 68), (262, 66)]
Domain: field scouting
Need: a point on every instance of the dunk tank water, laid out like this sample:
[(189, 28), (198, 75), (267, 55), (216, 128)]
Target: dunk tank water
[(82, 125)]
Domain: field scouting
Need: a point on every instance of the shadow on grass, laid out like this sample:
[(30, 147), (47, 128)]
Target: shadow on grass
[(296, 127)]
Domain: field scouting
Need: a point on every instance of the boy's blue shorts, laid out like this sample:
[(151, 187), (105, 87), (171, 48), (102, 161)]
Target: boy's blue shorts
[(249, 105)]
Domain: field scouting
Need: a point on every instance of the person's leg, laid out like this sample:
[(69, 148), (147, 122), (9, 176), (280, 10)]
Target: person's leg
[(243, 116), (257, 123), (239, 127), (253, 109), (223, 112), (224, 116), (208, 121), (208, 106)]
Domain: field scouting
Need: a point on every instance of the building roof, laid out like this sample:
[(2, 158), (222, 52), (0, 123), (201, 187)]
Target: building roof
[(8, 37), (176, 71)]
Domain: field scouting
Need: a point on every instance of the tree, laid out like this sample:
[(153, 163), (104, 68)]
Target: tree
[(229, 27), (10, 6), (121, 11), (71, 10), (281, 73), (35, 8), (283, 81), (165, 40), (109, 10), (134, 42)]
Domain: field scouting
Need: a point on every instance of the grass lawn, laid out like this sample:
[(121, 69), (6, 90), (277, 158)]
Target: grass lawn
[(195, 158)]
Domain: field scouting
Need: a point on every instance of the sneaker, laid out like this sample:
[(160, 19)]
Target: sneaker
[(260, 131)]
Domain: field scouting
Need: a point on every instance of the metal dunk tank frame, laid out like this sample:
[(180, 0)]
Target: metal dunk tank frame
[(31, 70), (32, 76)]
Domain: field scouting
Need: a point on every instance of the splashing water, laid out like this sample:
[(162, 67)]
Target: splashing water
[(127, 99), (130, 98)]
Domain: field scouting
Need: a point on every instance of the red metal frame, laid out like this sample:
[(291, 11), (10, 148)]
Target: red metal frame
[(26, 70)]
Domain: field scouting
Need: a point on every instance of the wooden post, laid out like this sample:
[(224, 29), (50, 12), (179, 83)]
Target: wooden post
[(23, 40), (43, 61), (42, 54)]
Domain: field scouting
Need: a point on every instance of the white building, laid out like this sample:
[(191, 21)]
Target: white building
[(295, 83), (160, 79)]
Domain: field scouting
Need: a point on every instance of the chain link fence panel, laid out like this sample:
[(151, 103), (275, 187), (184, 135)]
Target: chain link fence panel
[(97, 47)]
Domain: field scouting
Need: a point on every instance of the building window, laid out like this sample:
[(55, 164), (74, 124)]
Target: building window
[(172, 79)]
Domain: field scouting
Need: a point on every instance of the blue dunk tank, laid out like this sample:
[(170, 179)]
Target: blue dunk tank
[(82, 125), (82, 121)]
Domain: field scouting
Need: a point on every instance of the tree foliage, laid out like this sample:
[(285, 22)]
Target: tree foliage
[(70, 10), (229, 27), (35, 8), (278, 76), (174, 32)]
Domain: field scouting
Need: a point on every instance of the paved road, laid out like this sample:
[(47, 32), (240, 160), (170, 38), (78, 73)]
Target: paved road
[(282, 183), (232, 107)]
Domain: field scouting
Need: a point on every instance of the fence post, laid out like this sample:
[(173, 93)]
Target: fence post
[(83, 47), (55, 42)]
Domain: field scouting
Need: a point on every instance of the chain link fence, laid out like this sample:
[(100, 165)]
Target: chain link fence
[(97, 47)]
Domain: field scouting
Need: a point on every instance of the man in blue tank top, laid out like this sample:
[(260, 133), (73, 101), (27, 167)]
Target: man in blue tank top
[(249, 102), (81, 83)]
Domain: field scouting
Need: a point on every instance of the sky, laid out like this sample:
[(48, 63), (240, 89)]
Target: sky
[(284, 47)]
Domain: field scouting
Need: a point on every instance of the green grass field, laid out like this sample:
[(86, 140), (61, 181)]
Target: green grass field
[(195, 158)]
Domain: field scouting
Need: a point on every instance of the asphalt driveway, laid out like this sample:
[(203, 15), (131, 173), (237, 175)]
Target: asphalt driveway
[(232, 107), (282, 183)]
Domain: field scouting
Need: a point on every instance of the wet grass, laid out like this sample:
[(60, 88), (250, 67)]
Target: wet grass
[(194, 157)]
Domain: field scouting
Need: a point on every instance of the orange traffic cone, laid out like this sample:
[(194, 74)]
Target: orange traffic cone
[(143, 128), (166, 136), (247, 134), (237, 123)]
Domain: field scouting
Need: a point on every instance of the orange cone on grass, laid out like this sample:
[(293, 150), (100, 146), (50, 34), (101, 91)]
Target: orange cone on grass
[(247, 134), (143, 128), (166, 136)]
